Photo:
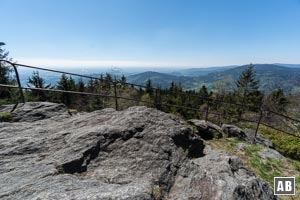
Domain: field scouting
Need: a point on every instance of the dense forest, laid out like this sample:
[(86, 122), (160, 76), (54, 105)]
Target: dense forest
[(245, 93)]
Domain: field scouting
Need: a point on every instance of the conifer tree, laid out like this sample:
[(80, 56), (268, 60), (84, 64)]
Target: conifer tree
[(172, 87), (277, 101), (63, 84), (5, 70), (247, 81), (82, 100), (37, 81), (172, 90), (203, 93), (149, 88), (158, 98), (71, 84), (91, 85), (247, 88), (80, 85), (123, 81), (101, 81), (108, 81)]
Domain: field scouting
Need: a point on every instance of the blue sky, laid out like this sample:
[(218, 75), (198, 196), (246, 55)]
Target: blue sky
[(161, 33)]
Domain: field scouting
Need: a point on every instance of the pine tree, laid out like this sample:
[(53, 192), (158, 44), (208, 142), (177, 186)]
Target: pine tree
[(80, 85), (101, 82), (277, 101), (81, 100), (149, 88), (5, 70), (247, 81), (158, 98), (63, 84), (91, 86), (71, 84), (123, 81), (38, 82), (203, 93), (172, 90), (108, 81), (172, 87), (247, 88)]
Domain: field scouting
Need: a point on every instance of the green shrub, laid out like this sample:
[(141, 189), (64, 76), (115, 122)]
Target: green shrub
[(5, 117), (295, 164), (285, 144)]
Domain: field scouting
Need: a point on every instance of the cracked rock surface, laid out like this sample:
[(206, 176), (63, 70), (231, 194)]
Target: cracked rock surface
[(218, 176), (138, 153)]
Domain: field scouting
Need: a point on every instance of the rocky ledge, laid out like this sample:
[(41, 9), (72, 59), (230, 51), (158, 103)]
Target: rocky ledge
[(138, 153)]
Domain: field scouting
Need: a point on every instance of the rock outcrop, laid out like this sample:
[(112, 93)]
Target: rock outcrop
[(233, 131), (34, 111), (218, 176), (270, 153), (138, 153), (260, 139), (246, 135), (264, 153), (206, 129)]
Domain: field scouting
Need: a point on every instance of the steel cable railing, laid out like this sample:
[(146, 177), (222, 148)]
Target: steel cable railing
[(209, 101)]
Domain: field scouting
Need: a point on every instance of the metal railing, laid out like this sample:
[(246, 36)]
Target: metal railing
[(158, 91)]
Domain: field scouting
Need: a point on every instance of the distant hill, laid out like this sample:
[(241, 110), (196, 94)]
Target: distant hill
[(270, 76), (159, 79), (289, 65), (200, 71)]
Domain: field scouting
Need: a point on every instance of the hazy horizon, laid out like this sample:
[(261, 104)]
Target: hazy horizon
[(124, 65)]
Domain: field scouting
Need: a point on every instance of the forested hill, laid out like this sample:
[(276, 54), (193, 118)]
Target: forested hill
[(161, 79), (270, 76)]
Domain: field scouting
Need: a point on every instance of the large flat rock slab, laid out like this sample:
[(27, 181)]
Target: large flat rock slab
[(138, 153), (100, 155)]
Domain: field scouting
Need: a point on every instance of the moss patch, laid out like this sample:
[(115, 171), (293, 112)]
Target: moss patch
[(156, 192), (5, 117)]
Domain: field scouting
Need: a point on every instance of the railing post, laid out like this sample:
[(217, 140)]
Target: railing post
[(19, 83), (116, 97), (207, 110), (157, 98), (258, 123)]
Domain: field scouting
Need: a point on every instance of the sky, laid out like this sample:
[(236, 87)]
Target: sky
[(151, 33)]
